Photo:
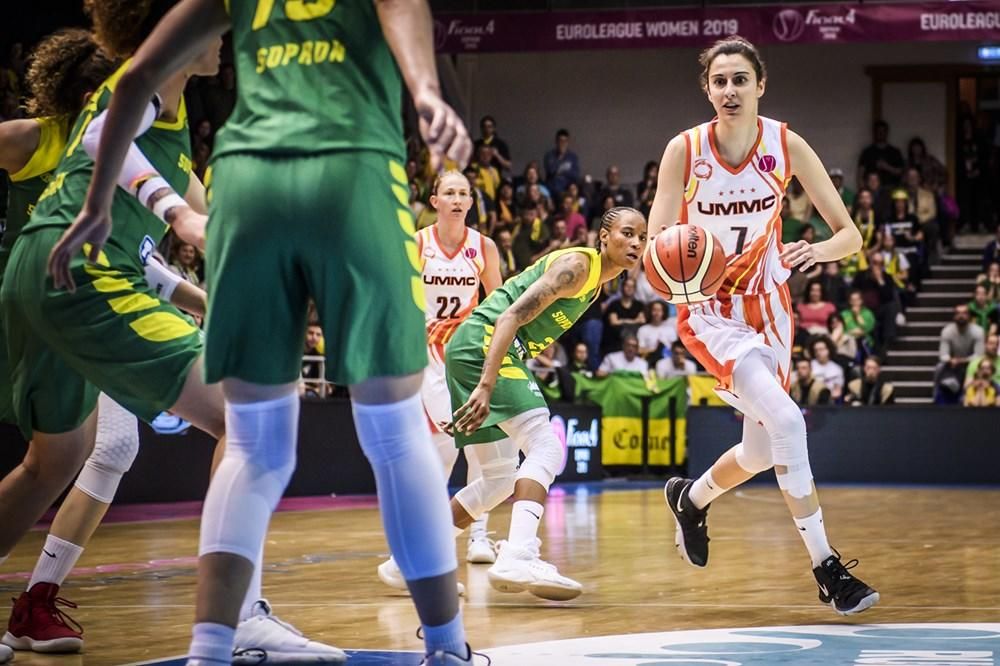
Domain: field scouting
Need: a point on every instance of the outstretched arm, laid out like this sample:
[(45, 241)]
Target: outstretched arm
[(565, 278), (186, 31), (669, 196)]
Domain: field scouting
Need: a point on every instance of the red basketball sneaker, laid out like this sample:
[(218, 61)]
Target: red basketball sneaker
[(37, 624)]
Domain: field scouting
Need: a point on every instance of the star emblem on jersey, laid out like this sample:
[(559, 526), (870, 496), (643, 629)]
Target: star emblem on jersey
[(767, 163), (702, 170)]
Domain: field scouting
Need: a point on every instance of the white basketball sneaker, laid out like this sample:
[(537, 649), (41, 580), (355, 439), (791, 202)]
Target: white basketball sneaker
[(521, 568), (264, 639), (482, 550), (6, 654), (389, 573)]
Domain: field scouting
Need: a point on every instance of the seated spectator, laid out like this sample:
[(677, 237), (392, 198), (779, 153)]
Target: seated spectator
[(923, 204), (897, 266), (859, 321), (816, 309), (487, 175), (929, 167), (416, 205), (845, 345), (627, 359), (989, 354), (531, 234), (531, 177), (800, 336), (505, 207), (574, 220), (644, 291), (982, 391), (501, 153), (186, 262), (557, 240), (881, 157), (579, 201), (881, 295), (607, 203), (481, 216), (991, 253), (312, 383), (656, 336), (805, 389), (613, 188), (534, 197), (905, 229), (624, 315), (798, 281), (846, 193), (505, 247), (870, 388), (545, 365), (677, 365), (799, 205), (960, 341), (562, 166), (881, 196), (865, 219), (577, 364), (646, 190), (834, 284), (791, 226), (984, 311), (991, 281), (825, 368), (590, 326)]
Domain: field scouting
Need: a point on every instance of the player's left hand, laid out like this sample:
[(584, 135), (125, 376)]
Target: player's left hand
[(471, 415), (92, 227), (800, 254)]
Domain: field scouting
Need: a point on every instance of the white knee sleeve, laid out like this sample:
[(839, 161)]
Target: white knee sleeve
[(754, 453), (445, 445), (114, 450), (497, 462), (247, 485), (768, 403), (543, 454)]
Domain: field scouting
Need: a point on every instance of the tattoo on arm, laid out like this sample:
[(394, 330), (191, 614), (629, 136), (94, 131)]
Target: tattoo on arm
[(564, 279)]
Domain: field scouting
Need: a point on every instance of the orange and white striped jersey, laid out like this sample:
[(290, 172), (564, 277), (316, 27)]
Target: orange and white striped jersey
[(451, 281), (741, 205)]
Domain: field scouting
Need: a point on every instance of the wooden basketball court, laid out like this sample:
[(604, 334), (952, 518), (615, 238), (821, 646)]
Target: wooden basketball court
[(933, 554)]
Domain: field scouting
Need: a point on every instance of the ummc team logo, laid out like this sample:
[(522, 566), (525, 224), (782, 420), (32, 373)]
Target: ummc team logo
[(767, 163), (702, 170), (788, 25), (471, 252)]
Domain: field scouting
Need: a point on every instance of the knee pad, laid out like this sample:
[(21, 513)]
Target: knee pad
[(543, 454), (497, 481), (114, 451), (789, 450), (255, 469), (753, 459), (445, 445)]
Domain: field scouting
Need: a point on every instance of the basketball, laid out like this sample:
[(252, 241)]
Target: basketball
[(685, 264)]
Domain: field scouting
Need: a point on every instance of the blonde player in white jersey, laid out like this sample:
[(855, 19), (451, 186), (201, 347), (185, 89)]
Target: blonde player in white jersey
[(728, 176), (455, 260)]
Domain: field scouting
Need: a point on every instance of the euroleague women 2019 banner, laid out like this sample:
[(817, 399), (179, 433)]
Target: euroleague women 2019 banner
[(657, 28)]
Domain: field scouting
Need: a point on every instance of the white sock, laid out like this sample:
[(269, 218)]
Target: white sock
[(704, 490), (57, 559), (478, 528), (814, 536), (254, 593), (212, 642), (524, 521)]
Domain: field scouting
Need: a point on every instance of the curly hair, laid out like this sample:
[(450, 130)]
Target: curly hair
[(62, 69), (121, 25)]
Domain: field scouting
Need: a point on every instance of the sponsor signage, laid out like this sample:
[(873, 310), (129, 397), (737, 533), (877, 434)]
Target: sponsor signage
[(668, 27), (578, 429)]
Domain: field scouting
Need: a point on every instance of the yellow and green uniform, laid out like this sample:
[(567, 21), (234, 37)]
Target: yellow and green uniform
[(112, 334), (309, 198), (24, 188), (516, 391)]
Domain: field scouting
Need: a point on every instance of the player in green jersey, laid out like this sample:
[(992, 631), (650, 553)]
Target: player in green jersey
[(495, 395), (307, 172)]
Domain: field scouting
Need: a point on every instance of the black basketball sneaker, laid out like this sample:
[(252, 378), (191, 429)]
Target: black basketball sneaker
[(692, 531), (845, 593)]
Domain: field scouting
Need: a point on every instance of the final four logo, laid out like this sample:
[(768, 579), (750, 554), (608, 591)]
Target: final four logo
[(767, 163)]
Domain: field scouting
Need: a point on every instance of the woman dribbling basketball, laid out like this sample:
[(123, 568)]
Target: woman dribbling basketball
[(728, 176)]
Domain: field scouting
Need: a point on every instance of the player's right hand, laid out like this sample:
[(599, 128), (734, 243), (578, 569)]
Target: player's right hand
[(471, 415), (91, 227), (442, 130)]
